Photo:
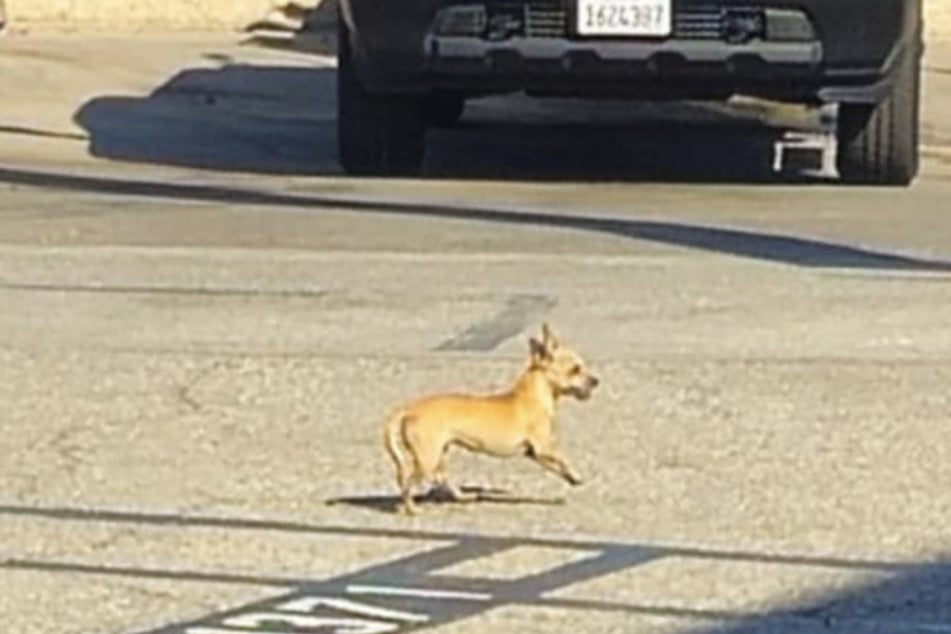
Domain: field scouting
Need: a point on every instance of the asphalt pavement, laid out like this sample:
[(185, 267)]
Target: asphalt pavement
[(203, 325)]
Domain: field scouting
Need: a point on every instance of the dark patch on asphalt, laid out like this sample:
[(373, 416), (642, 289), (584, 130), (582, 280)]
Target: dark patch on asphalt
[(182, 520), (518, 312), (794, 250)]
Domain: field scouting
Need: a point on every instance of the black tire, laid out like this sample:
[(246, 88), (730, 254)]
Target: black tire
[(878, 144), (443, 111), (377, 135)]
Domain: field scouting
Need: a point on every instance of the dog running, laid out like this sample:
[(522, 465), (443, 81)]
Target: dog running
[(517, 422)]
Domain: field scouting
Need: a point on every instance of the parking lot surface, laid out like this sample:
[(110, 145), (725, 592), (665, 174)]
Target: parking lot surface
[(204, 325)]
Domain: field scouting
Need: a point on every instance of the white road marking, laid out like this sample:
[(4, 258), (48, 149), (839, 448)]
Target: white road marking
[(426, 593), (256, 620), (311, 603)]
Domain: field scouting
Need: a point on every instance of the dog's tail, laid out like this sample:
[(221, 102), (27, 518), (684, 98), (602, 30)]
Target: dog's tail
[(394, 441)]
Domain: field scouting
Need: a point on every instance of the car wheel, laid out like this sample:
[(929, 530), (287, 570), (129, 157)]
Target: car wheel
[(878, 144), (377, 135), (443, 110)]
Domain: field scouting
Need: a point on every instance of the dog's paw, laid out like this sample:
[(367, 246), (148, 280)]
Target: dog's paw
[(574, 480), (406, 510)]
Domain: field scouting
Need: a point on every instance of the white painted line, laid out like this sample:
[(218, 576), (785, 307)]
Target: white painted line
[(256, 620), (426, 593), (312, 603)]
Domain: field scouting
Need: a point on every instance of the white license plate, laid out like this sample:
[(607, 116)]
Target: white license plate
[(631, 18)]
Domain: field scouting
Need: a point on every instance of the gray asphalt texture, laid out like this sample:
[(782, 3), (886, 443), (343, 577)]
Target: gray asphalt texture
[(203, 325)]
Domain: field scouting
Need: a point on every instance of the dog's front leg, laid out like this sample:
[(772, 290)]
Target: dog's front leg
[(550, 459)]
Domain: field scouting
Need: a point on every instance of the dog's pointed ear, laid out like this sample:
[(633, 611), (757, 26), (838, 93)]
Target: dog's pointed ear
[(538, 351), (549, 339)]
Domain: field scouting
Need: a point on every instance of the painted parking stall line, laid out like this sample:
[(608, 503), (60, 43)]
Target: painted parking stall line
[(407, 593), (336, 614), (273, 622), (300, 612), (426, 593), (310, 604)]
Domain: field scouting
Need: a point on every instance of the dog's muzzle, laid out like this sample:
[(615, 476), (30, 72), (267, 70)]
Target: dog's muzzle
[(583, 392)]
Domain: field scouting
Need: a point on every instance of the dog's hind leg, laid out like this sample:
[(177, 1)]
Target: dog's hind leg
[(426, 455), (407, 505), (403, 458), (442, 480), (409, 475)]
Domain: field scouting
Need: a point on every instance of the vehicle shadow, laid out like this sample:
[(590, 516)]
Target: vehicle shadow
[(280, 119), (244, 118)]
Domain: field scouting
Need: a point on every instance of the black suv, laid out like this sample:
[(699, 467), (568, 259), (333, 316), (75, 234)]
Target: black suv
[(405, 65)]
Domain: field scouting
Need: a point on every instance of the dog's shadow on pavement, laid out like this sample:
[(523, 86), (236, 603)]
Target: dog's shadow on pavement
[(481, 495), (280, 119)]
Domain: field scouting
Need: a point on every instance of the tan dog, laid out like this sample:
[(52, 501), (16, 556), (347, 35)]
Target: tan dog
[(518, 422)]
